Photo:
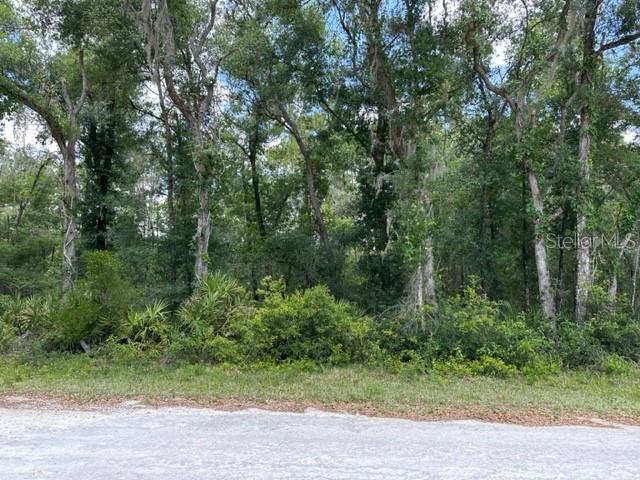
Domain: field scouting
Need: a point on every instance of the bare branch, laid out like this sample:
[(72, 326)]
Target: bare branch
[(482, 73), (85, 82), (618, 43), (37, 104)]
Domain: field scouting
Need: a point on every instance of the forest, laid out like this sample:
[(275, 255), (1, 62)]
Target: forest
[(442, 185)]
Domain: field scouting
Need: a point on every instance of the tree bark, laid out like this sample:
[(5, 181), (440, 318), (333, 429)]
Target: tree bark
[(544, 277), (583, 250), (612, 290), (309, 175), (517, 103), (378, 151), (545, 291), (69, 203), (203, 232), (428, 272), (203, 217), (254, 145), (195, 104), (634, 281)]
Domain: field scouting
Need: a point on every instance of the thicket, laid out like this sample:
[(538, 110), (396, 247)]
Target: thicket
[(222, 323)]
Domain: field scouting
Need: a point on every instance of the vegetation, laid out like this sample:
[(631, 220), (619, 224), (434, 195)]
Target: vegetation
[(363, 187), (566, 397)]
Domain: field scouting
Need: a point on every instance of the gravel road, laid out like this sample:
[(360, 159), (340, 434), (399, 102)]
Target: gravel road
[(186, 443)]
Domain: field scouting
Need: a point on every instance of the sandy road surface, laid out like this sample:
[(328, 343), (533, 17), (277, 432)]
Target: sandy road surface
[(186, 443)]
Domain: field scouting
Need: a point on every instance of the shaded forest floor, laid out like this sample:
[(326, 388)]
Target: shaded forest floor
[(80, 381)]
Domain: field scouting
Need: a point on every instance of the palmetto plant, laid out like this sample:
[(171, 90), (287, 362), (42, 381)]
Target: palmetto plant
[(217, 299), (148, 327), (27, 314)]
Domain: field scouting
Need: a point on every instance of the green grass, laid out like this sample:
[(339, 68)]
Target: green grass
[(562, 397)]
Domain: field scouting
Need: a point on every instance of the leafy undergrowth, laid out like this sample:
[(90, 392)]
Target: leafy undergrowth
[(568, 397)]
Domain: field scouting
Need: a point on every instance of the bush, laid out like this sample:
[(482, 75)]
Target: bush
[(617, 334), (148, 328), (311, 325), (7, 336), (577, 346), (476, 327), (208, 320), (27, 315), (614, 365), (608, 334), (24, 321), (97, 305), (471, 334), (457, 364)]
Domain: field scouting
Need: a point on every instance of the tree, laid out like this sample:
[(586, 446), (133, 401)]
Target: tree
[(591, 55), (532, 67), (59, 107), (191, 86)]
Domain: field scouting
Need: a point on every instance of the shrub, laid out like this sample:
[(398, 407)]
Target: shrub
[(221, 350), (457, 364), (23, 322), (588, 344), (148, 328), (7, 336), (476, 327), (577, 346), (614, 365), (209, 320), (216, 300), (312, 325), (97, 305), (617, 334), (27, 315)]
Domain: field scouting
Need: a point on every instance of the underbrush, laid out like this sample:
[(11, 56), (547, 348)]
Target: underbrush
[(220, 323)]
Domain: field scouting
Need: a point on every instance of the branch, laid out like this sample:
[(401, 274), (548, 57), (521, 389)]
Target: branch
[(85, 83), (482, 73), (287, 122), (619, 42), (203, 70), (38, 105), (74, 108), (25, 202), (564, 30), (205, 33)]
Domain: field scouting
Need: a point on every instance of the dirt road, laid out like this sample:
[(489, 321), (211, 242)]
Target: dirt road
[(184, 443)]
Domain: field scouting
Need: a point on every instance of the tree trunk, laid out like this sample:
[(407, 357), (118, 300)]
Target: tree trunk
[(313, 196), (69, 200), (583, 271), (524, 250), (203, 217), (254, 145), (378, 150), (428, 272), (634, 282), (544, 277), (309, 176), (583, 250), (545, 291), (203, 228), (559, 164), (384, 92), (486, 228)]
